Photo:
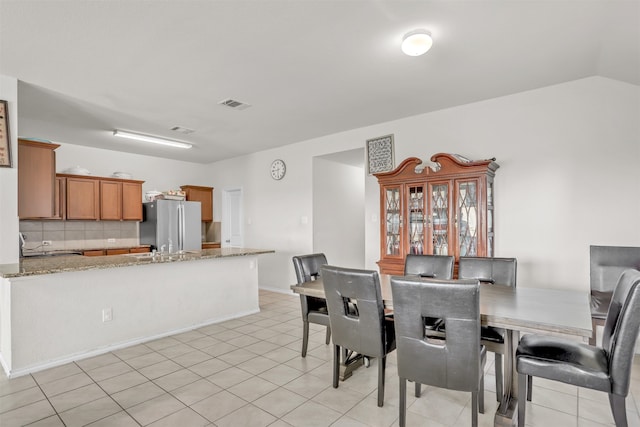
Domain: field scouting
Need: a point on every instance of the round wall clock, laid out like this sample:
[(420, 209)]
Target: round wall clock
[(278, 169)]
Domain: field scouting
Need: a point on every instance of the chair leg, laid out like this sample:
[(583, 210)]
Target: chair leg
[(522, 385), (474, 409), (328, 339), (336, 365), (305, 337), (403, 402), (618, 409), (499, 380), (381, 368), (594, 324), (418, 389), (529, 387)]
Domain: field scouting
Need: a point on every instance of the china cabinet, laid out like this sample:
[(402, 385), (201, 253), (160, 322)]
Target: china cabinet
[(446, 209)]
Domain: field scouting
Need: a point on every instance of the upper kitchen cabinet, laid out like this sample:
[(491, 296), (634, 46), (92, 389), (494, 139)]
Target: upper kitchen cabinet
[(445, 210), (204, 195), (36, 179), (83, 197), (106, 199)]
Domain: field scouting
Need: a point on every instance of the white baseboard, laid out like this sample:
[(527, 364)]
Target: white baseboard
[(97, 352)]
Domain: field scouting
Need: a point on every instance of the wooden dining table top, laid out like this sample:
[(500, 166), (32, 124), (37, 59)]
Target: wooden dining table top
[(535, 310)]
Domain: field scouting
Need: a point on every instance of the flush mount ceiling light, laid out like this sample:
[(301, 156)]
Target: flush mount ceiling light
[(152, 139), (416, 42)]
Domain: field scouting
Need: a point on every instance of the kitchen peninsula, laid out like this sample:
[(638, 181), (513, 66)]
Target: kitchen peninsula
[(57, 309)]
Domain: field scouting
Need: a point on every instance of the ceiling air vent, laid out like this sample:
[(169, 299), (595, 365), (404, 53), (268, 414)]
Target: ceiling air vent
[(182, 129), (236, 105)]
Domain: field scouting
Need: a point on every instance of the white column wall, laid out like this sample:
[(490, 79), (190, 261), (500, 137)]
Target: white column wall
[(9, 252)]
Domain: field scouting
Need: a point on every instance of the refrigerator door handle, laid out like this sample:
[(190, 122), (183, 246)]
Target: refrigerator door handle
[(181, 228)]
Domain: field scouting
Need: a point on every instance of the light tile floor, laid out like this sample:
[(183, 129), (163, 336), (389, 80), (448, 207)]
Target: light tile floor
[(248, 372)]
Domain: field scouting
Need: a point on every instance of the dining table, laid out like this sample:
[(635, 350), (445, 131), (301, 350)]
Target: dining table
[(559, 312)]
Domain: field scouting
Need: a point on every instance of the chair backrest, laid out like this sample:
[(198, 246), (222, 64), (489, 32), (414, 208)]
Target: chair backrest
[(607, 264), (453, 363), (308, 266), (356, 309), (431, 266), (621, 330), (498, 271)]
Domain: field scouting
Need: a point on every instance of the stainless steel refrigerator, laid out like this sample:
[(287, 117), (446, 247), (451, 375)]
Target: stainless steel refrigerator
[(171, 225)]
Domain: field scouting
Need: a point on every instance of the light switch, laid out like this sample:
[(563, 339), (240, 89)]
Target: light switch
[(304, 219)]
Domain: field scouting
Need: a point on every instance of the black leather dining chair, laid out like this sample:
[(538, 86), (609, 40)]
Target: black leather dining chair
[(606, 368), (358, 322), (499, 272), (314, 310), (457, 362), (434, 267), (430, 266), (606, 264)]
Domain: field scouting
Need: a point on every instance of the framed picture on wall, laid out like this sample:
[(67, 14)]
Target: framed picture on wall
[(380, 154), (5, 140)]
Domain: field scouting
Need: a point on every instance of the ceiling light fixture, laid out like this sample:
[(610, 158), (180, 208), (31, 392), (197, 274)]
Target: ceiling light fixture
[(152, 139), (416, 42)]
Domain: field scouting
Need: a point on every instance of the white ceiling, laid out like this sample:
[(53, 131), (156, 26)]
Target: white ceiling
[(308, 68)]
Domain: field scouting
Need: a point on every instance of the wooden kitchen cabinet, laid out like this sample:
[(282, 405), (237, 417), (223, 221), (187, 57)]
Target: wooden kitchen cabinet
[(60, 197), (110, 200), (132, 200), (36, 179), (446, 210), (106, 199), (83, 197), (204, 195)]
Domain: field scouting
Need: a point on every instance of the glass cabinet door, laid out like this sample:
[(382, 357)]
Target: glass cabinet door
[(439, 217), (393, 220), (416, 217), (467, 217)]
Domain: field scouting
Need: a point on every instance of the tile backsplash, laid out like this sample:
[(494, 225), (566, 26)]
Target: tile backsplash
[(71, 235)]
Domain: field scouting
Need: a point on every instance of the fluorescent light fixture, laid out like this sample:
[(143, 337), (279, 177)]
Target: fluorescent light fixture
[(152, 139), (416, 42)]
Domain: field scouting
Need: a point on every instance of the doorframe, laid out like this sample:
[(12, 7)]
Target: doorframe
[(225, 230)]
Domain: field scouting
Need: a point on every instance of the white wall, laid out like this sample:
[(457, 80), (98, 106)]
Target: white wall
[(158, 173), (338, 212), (567, 155), (9, 178)]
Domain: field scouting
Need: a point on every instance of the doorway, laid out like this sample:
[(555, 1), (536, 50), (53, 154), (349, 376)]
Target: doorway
[(339, 207), (232, 218)]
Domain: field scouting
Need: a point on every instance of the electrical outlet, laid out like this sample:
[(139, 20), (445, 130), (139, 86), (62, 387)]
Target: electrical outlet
[(111, 240), (46, 243), (107, 314)]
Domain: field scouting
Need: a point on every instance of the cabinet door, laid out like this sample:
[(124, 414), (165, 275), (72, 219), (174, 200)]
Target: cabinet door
[(204, 195), (392, 238), (439, 230), (83, 198), (131, 201), (36, 179), (467, 219), (416, 218), (110, 200)]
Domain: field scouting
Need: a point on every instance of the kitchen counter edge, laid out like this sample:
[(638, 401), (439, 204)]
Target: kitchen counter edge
[(62, 264)]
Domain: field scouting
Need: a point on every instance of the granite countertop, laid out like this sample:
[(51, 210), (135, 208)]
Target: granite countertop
[(58, 264)]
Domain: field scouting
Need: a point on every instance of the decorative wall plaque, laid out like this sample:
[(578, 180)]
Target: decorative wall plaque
[(5, 140), (380, 154)]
